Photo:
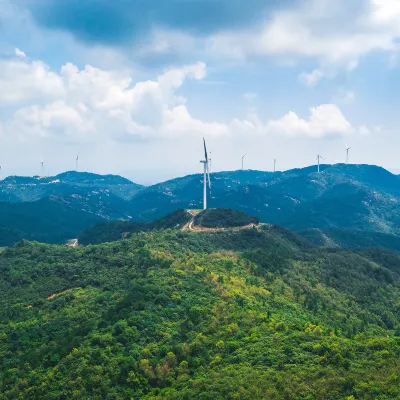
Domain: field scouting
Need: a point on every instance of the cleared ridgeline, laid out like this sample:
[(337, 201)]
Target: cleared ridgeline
[(186, 220), (220, 219)]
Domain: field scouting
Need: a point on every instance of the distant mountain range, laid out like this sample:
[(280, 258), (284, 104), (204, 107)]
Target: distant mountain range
[(341, 199)]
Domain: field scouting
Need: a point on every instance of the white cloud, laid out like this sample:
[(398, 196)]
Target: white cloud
[(78, 103), (92, 104), (166, 42), (326, 119), (55, 118), (21, 81), (335, 33), (312, 78), (19, 53)]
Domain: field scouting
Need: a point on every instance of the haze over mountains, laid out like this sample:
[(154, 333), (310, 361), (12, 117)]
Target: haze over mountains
[(349, 199)]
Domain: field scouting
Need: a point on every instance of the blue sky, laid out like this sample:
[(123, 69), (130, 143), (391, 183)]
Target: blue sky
[(134, 85)]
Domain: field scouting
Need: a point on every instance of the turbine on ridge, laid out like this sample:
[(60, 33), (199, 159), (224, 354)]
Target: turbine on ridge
[(347, 153), (242, 160), (319, 158), (41, 166), (206, 175)]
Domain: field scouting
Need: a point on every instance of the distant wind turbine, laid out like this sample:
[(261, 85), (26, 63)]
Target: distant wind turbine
[(347, 153), (275, 165), (77, 162), (41, 166), (206, 175), (243, 161), (319, 158)]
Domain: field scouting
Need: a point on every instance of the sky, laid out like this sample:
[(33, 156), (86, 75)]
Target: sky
[(133, 86)]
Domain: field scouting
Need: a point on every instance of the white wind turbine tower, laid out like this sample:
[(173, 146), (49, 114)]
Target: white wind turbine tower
[(319, 158), (41, 166), (206, 175), (274, 164), (243, 161), (77, 162), (347, 153)]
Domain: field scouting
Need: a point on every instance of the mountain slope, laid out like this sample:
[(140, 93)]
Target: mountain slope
[(53, 209), (67, 183), (253, 314), (43, 220), (350, 238), (111, 231), (161, 199), (357, 197)]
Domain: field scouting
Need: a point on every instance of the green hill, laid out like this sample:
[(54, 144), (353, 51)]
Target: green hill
[(223, 218), (249, 314), (114, 230), (44, 220), (351, 238)]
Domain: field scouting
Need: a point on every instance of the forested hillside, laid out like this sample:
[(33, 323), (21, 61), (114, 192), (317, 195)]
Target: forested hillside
[(54, 209), (252, 314), (26, 188), (44, 220), (224, 218), (359, 198), (111, 231)]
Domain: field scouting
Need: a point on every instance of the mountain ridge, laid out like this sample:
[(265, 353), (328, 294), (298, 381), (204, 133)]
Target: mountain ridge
[(362, 197)]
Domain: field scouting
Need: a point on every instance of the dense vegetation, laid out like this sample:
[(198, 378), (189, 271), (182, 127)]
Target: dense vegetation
[(110, 231), (351, 238), (342, 197), (26, 188), (252, 314), (224, 218), (44, 220)]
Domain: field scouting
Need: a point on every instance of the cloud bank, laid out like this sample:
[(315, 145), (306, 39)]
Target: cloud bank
[(91, 104)]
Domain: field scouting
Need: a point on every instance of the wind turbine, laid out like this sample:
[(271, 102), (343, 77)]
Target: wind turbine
[(76, 162), (42, 166), (319, 158), (243, 159), (206, 175), (274, 164), (347, 153)]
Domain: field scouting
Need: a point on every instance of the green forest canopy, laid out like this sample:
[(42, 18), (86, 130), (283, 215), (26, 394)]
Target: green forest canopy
[(252, 314), (224, 218)]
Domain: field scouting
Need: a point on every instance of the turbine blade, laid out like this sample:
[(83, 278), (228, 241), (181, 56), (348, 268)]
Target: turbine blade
[(205, 150), (208, 175)]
